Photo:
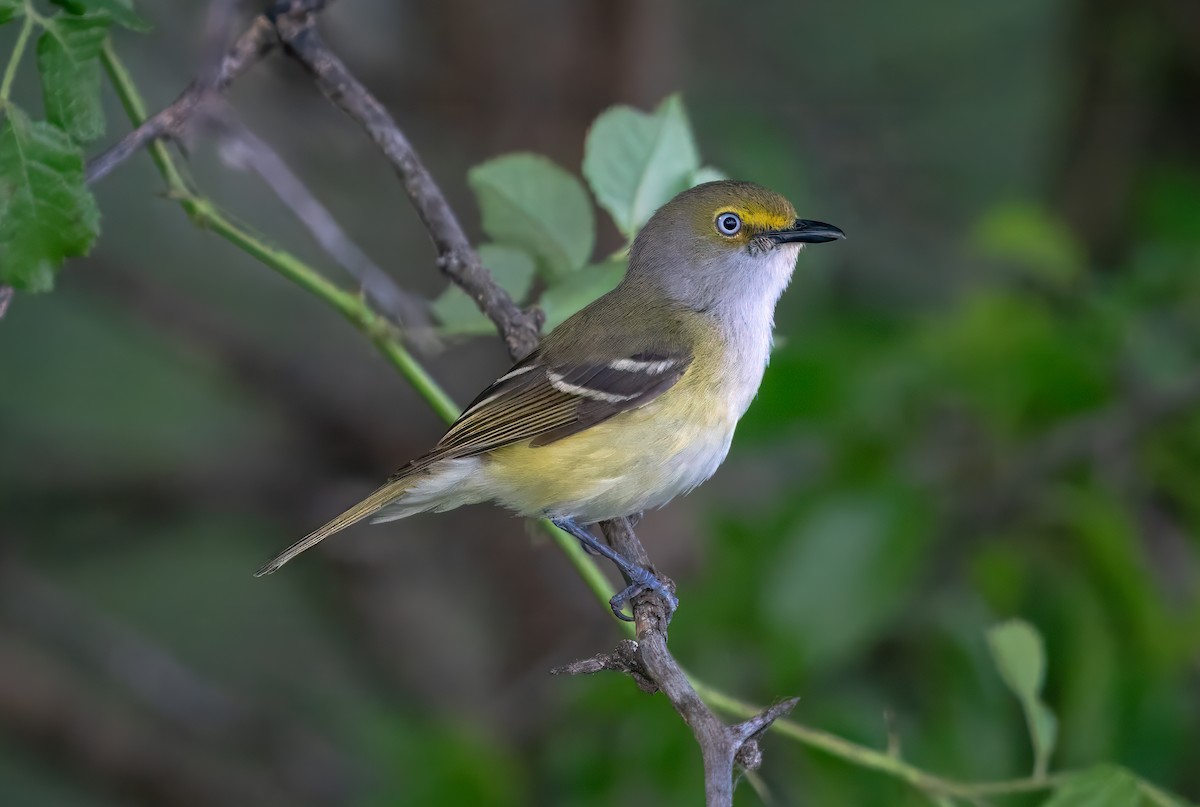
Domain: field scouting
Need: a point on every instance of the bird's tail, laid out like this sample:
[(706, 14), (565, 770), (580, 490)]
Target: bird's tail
[(368, 506)]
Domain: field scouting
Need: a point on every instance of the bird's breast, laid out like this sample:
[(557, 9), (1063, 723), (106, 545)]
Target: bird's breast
[(640, 459)]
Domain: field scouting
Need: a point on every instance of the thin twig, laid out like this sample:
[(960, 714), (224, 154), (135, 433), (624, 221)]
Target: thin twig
[(723, 747), (351, 306), (244, 150), (649, 661), (456, 258), (6, 295), (218, 24), (217, 27), (258, 40), (199, 107), (624, 659)]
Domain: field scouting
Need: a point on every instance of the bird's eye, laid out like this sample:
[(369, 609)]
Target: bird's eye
[(729, 223)]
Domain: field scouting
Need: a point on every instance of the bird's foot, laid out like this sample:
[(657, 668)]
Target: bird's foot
[(643, 580), (640, 578)]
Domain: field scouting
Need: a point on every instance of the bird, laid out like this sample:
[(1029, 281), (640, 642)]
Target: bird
[(631, 401)]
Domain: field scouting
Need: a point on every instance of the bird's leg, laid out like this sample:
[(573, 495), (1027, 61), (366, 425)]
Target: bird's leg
[(640, 578)]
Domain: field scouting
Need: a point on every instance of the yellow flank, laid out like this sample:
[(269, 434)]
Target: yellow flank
[(668, 446)]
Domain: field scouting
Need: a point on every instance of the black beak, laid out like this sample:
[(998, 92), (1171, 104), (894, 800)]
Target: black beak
[(804, 231)]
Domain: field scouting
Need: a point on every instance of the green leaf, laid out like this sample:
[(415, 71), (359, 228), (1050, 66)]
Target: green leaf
[(636, 162), (46, 211), (1017, 650), (512, 268), (1020, 658), (529, 202), (121, 11), (706, 174), (10, 9), (68, 60), (1102, 786), (573, 293)]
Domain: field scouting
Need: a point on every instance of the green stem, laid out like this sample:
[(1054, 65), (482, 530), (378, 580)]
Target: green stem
[(350, 305), (873, 759), (586, 567), (382, 334), (10, 71), (135, 109)]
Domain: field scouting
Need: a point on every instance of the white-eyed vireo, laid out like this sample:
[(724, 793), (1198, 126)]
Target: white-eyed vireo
[(634, 399)]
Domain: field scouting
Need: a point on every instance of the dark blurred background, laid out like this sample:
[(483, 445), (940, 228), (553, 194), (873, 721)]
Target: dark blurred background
[(983, 405)]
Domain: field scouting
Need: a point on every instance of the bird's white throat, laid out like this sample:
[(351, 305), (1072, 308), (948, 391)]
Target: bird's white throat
[(746, 316)]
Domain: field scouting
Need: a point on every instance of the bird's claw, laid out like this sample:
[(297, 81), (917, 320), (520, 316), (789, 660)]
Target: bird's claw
[(640, 578), (643, 581)]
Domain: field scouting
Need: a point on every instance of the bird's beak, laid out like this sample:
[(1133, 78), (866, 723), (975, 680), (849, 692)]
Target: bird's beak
[(804, 231)]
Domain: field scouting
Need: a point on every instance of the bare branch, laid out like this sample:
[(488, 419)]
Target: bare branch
[(259, 40), (199, 107), (6, 295), (456, 258), (723, 747), (242, 149), (624, 659), (217, 26), (653, 669)]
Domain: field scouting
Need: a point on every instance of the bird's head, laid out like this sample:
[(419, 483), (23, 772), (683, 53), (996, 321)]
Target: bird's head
[(723, 241)]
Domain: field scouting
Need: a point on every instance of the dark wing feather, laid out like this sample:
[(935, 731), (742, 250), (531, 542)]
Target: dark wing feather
[(635, 388), (545, 403)]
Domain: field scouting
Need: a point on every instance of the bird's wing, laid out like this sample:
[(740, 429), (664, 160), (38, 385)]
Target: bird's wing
[(547, 401)]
